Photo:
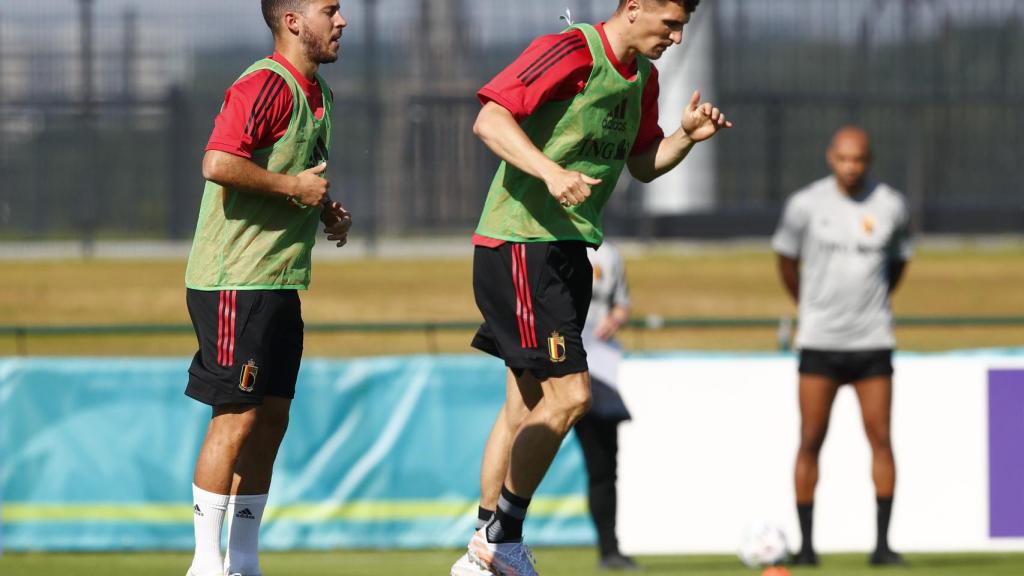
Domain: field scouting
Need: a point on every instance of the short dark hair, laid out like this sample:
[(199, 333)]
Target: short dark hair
[(688, 5), (274, 9)]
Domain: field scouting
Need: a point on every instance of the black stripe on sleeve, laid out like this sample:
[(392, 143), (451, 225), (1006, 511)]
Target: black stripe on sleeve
[(547, 66), (271, 97), (271, 77), (538, 62)]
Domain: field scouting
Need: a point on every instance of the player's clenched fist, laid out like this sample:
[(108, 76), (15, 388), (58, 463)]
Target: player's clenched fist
[(337, 222), (311, 186), (570, 188)]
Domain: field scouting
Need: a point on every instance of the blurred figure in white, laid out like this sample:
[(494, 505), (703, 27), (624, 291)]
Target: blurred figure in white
[(843, 245), (598, 430)]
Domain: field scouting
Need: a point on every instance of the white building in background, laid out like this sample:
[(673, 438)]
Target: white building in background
[(692, 186)]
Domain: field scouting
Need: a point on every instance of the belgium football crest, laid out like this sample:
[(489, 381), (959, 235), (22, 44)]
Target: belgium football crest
[(247, 380), (868, 223), (556, 347)]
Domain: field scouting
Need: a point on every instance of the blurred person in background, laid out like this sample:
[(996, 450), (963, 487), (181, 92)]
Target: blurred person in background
[(565, 118), (843, 244), (598, 429), (264, 199)]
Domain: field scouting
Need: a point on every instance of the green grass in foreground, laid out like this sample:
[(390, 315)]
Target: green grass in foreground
[(552, 562)]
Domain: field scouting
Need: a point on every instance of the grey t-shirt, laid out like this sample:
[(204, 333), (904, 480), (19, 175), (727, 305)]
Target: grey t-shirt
[(609, 290), (610, 287), (845, 246)]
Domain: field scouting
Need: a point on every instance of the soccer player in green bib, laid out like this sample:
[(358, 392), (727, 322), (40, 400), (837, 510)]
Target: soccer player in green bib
[(265, 196), (565, 118)]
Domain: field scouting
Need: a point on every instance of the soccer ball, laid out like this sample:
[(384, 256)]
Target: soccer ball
[(763, 544)]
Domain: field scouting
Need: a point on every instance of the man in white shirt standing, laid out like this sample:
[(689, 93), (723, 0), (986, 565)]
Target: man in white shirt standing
[(842, 245)]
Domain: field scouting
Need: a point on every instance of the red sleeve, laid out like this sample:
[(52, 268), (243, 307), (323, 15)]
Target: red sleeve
[(650, 132), (254, 116), (553, 67)]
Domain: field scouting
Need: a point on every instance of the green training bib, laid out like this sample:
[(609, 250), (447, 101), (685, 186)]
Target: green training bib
[(251, 241), (592, 133)]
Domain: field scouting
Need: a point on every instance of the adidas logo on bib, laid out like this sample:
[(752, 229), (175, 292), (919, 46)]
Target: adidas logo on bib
[(616, 119)]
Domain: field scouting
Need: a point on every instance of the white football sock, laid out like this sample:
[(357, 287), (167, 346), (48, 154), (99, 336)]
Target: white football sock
[(244, 516), (208, 519)]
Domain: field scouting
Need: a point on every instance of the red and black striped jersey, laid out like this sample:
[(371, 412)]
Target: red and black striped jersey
[(556, 67), (257, 109)]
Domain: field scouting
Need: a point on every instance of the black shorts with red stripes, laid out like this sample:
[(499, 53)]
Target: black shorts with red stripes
[(534, 298), (250, 345)]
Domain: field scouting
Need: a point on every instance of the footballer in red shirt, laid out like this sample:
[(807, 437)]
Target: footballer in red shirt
[(566, 117), (556, 67)]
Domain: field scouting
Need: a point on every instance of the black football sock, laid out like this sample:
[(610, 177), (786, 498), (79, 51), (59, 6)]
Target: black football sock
[(483, 516), (507, 523), (806, 514), (884, 513)]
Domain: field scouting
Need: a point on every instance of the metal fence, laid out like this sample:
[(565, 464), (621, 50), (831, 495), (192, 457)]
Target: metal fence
[(105, 108)]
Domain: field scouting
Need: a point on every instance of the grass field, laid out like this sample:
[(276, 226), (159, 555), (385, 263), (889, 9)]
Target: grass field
[(961, 282), (551, 562)]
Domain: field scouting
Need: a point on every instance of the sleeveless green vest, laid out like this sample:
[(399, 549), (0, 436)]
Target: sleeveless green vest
[(593, 134), (251, 241)]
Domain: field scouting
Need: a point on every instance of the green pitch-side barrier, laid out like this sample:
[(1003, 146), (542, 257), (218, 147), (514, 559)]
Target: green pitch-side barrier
[(785, 326)]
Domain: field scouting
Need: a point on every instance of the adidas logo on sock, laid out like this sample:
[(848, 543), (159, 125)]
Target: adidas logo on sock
[(197, 511), (245, 513)]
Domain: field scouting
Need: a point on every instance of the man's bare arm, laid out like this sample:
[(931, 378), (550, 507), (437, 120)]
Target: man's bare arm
[(896, 270), (700, 122), (609, 326), (499, 130), (307, 187), (664, 155), (789, 270)]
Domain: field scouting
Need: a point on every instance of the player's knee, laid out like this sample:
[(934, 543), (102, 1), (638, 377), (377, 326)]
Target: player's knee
[(879, 439), (232, 433), (882, 446), (577, 403), (586, 402), (516, 414), (811, 443), (568, 408)]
